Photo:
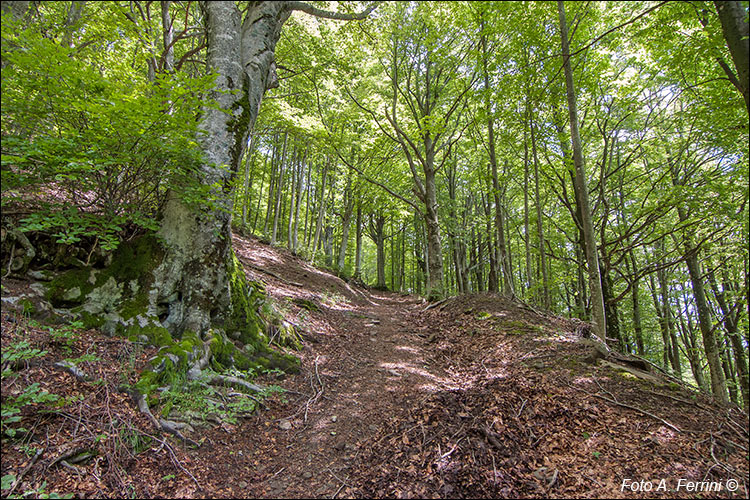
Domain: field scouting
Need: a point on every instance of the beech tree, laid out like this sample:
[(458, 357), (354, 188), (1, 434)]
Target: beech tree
[(442, 131), (592, 258)]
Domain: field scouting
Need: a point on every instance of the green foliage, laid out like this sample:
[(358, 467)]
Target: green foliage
[(13, 404), (65, 335), (135, 439), (198, 400), (97, 150), (7, 481), (40, 492)]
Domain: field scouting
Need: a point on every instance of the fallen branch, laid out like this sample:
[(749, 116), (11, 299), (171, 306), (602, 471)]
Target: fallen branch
[(680, 400), (174, 458), (628, 407), (434, 304), (342, 481), (25, 470)]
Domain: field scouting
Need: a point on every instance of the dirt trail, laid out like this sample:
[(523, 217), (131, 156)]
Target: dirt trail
[(486, 398), (477, 397), (362, 361)]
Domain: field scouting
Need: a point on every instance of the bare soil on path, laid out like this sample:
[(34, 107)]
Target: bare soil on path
[(473, 397)]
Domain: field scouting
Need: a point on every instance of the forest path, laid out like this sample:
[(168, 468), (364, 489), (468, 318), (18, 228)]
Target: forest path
[(479, 397), (364, 360)]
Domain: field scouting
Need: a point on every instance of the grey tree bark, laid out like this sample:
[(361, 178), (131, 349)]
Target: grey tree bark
[(195, 279), (346, 219), (710, 345), (501, 256), (734, 26), (539, 228), (592, 260)]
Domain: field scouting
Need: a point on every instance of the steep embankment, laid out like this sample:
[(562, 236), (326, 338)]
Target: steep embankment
[(476, 396)]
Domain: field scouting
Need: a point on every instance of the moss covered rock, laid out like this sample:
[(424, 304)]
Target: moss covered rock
[(125, 299)]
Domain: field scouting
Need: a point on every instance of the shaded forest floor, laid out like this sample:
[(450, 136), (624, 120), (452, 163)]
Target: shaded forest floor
[(476, 396)]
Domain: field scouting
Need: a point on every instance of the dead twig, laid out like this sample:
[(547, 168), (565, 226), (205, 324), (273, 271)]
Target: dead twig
[(680, 400), (520, 410), (553, 480), (342, 481), (273, 274), (634, 408), (26, 469), (174, 458), (448, 453)]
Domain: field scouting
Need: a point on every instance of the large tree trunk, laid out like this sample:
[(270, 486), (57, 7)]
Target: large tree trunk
[(195, 279), (734, 26)]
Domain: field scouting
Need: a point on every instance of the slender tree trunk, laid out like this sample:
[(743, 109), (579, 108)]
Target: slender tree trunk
[(305, 232), (539, 228), (731, 316), (358, 249), (592, 260), (272, 183), (168, 36), (492, 281), (402, 278), (718, 383), (435, 252), (279, 189), (76, 11), (501, 257), (526, 235), (662, 310), (731, 381), (295, 229), (246, 185), (377, 233), (637, 327), (321, 211), (345, 223), (260, 192)]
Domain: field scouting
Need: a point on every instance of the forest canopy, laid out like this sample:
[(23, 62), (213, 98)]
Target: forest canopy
[(423, 147)]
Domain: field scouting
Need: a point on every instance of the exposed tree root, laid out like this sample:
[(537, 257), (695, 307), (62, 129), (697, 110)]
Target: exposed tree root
[(229, 381), (161, 424)]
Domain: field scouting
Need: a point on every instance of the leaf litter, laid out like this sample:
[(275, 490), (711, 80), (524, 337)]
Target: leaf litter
[(477, 396)]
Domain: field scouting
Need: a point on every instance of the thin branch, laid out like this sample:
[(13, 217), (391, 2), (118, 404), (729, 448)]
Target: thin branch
[(314, 11)]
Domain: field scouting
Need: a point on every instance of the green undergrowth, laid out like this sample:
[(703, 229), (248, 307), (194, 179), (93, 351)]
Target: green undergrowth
[(14, 356), (198, 402)]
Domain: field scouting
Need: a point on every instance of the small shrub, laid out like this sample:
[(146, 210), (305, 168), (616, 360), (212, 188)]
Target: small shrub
[(12, 405)]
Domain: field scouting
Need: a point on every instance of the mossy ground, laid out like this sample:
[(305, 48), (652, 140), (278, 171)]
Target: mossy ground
[(239, 341)]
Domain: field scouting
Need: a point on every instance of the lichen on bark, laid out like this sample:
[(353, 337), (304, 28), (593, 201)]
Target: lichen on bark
[(133, 298)]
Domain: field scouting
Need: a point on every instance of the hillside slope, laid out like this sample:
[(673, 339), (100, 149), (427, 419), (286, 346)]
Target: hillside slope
[(476, 396)]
